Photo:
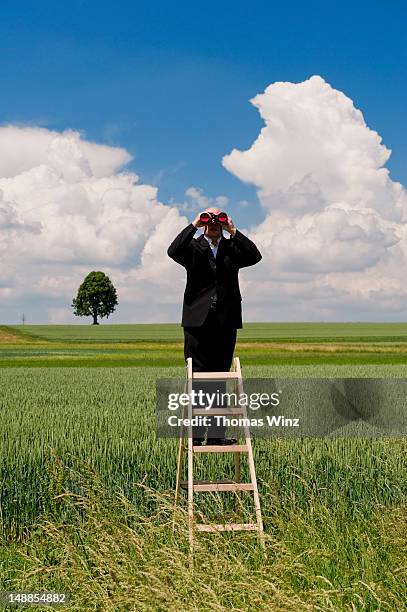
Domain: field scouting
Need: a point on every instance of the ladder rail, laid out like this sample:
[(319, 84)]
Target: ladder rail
[(252, 468), (190, 460), (237, 456), (181, 448)]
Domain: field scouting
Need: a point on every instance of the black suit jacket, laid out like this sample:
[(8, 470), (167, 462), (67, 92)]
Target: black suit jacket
[(207, 276)]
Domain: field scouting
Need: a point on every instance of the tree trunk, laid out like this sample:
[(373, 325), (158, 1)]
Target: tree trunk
[(95, 319)]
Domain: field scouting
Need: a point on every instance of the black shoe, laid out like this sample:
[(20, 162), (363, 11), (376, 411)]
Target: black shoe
[(197, 441), (221, 441)]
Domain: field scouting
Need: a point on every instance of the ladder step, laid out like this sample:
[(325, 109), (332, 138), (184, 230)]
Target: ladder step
[(230, 527), (220, 485), (221, 448), (217, 411), (197, 375)]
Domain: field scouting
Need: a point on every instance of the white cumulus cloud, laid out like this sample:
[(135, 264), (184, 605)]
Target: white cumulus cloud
[(67, 206), (333, 239)]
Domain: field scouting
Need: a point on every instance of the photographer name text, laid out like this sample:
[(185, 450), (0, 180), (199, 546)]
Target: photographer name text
[(225, 421)]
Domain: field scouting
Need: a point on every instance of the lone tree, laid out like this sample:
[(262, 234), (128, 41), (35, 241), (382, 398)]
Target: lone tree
[(96, 297)]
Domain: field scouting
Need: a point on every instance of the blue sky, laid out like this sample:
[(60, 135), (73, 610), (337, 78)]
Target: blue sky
[(171, 81)]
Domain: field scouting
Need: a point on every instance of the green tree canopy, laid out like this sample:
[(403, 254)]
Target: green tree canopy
[(96, 297)]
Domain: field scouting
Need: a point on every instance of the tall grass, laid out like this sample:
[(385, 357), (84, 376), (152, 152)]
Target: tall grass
[(106, 417), (86, 505), (110, 556)]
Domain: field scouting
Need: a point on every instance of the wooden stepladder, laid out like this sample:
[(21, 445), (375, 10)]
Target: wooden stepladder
[(186, 443)]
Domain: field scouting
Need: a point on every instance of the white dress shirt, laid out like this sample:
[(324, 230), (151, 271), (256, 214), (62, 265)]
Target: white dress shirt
[(213, 247)]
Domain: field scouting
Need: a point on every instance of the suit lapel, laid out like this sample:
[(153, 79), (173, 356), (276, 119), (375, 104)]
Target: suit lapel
[(204, 245), (221, 246)]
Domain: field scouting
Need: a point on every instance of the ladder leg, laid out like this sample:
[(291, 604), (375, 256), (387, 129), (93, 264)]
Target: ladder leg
[(190, 493), (237, 455), (180, 454), (252, 469), (190, 465), (256, 497), (181, 447)]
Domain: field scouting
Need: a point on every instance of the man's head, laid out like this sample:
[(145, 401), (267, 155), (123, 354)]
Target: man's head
[(213, 230)]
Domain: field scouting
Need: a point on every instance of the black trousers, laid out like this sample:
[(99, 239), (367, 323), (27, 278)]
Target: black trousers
[(211, 347)]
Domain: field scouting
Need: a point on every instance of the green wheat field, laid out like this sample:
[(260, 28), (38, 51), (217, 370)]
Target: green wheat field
[(87, 490)]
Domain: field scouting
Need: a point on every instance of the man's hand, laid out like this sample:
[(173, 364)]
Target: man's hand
[(229, 226), (197, 221)]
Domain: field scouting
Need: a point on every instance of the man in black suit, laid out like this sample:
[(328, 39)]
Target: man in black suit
[(212, 308)]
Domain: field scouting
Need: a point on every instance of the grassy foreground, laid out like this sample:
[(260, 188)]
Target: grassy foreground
[(109, 556), (86, 489), (79, 461)]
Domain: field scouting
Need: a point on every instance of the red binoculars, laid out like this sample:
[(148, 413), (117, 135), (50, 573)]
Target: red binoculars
[(207, 218)]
